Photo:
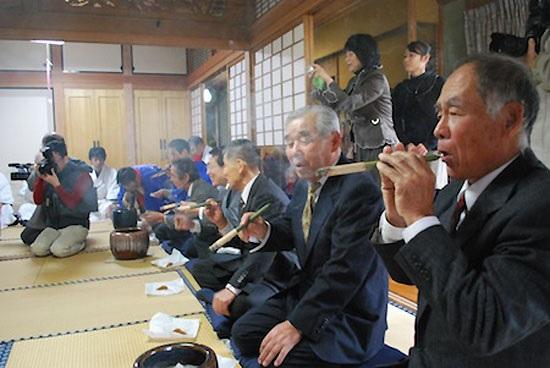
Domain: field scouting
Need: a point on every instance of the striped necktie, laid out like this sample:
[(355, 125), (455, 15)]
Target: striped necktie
[(460, 207), (308, 208)]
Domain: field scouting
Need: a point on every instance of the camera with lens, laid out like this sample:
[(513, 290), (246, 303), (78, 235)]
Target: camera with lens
[(47, 164), (503, 43), (23, 171)]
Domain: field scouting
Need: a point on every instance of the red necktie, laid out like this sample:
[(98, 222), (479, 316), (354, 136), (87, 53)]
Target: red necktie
[(459, 208)]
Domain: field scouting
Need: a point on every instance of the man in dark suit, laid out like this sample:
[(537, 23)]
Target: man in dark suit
[(333, 311), (231, 274), (185, 176), (479, 255)]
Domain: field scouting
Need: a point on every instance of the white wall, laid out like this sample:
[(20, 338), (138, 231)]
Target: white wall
[(22, 55), (25, 116), (92, 57), (158, 59)]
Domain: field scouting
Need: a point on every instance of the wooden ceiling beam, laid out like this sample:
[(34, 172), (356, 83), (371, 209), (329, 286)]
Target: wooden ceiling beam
[(192, 32), (125, 38)]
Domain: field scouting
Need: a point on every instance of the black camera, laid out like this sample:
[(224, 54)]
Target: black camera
[(47, 164), (23, 171), (503, 43)]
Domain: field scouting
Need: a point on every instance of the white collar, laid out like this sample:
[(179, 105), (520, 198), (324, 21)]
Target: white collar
[(473, 191), (190, 190), (246, 190)]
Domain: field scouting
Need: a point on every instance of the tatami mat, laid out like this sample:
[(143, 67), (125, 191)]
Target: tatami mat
[(400, 333), (20, 272), (13, 232), (98, 264), (13, 248), (86, 305), (35, 271), (113, 348)]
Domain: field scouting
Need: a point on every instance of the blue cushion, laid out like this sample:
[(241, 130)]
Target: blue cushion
[(219, 323), (245, 362), (387, 355)]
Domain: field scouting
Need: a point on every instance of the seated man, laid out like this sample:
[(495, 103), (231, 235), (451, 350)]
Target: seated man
[(179, 148), (479, 254), (36, 223), (104, 178), (137, 183), (205, 231), (184, 176), (333, 311), (199, 150), (66, 195), (228, 273)]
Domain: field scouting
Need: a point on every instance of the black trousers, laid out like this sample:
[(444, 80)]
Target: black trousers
[(164, 232), (249, 331), (210, 274), (29, 235)]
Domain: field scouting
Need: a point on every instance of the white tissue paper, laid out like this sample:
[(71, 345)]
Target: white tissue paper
[(222, 363), (164, 288), (165, 327), (226, 362), (173, 260)]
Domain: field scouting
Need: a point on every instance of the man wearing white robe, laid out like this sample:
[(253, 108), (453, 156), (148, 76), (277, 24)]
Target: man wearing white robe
[(6, 202), (104, 178)]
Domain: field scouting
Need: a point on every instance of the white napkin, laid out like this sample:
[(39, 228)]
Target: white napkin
[(226, 362), (162, 326), (173, 260), (164, 288)]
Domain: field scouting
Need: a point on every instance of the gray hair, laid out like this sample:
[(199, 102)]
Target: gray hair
[(502, 79), (245, 150), (326, 122)]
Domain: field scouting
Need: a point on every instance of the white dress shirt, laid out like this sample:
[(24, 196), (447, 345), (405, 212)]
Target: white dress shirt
[(391, 234)]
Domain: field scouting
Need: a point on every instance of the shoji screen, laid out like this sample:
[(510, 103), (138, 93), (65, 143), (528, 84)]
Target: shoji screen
[(279, 82), (238, 100), (196, 111)]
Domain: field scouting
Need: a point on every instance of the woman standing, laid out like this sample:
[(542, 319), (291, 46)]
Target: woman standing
[(414, 99), (366, 101)]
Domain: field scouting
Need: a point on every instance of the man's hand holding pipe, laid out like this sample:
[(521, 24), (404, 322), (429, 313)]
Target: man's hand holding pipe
[(256, 228), (407, 184)]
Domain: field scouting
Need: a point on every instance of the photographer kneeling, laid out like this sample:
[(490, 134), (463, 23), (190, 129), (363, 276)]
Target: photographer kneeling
[(66, 192)]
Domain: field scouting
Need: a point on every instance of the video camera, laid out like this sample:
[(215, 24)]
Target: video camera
[(503, 43), (23, 171), (47, 164)]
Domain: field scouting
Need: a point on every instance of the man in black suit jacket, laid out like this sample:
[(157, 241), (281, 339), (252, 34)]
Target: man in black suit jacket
[(185, 176), (232, 274), (480, 255), (334, 310)]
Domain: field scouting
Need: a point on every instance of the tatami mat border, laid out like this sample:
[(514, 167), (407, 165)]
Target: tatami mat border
[(5, 349), (16, 257), (402, 303), (82, 281), (106, 327)]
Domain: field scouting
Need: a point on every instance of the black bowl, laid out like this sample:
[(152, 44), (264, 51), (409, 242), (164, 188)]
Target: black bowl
[(124, 218), (171, 354)]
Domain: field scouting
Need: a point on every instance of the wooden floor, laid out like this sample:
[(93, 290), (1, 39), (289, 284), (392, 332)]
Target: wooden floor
[(406, 291)]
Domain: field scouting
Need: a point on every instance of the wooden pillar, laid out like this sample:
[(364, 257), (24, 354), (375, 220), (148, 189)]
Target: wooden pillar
[(58, 101), (128, 93), (308, 50), (411, 20), (250, 96), (439, 39)]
